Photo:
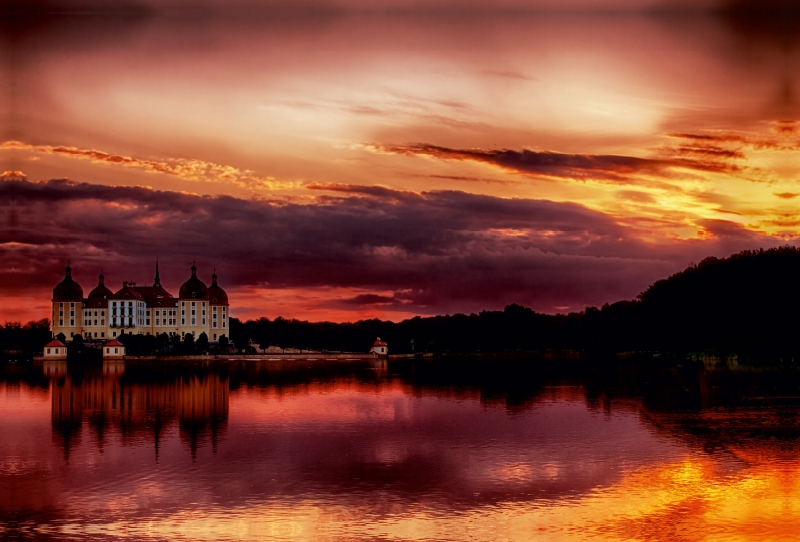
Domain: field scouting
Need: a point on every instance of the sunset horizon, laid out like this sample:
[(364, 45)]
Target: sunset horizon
[(341, 162)]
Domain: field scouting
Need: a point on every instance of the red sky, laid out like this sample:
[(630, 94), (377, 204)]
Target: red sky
[(338, 162)]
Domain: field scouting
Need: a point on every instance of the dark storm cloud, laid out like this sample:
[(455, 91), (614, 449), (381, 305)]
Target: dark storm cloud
[(602, 167), (437, 251)]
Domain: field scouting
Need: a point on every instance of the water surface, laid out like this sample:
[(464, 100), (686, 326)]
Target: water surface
[(399, 451)]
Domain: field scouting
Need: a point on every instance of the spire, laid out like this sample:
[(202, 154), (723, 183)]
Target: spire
[(214, 277), (194, 269), (102, 277), (68, 271), (158, 279)]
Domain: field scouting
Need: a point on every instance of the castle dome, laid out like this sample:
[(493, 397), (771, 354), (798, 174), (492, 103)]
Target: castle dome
[(216, 294), (100, 291), (68, 289), (194, 288)]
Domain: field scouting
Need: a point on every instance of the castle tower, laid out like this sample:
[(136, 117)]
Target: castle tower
[(193, 306), (67, 306), (218, 300)]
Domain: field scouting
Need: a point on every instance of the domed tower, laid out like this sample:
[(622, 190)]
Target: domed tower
[(95, 310), (218, 300), (67, 306), (193, 301)]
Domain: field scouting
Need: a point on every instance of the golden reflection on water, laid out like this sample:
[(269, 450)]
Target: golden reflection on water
[(349, 458), (685, 500)]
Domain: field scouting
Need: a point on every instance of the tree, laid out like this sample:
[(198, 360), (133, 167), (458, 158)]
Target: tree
[(77, 342), (223, 342), (61, 337), (188, 343), (202, 343), (163, 342)]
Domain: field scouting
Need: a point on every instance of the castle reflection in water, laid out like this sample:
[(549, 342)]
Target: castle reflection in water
[(137, 406)]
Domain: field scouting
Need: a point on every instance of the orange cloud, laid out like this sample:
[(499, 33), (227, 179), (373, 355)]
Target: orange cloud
[(188, 169)]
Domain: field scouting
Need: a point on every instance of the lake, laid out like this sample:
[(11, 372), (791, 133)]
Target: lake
[(411, 450)]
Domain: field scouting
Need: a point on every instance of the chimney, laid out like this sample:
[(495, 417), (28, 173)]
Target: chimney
[(124, 283)]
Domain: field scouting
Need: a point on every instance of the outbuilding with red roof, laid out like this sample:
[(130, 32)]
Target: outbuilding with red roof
[(55, 349)]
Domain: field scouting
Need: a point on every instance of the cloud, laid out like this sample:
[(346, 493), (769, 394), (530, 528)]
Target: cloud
[(472, 179), (581, 167), (370, 299), (430, 252), (188, 169)]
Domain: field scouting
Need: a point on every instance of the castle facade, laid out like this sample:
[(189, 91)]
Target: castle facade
[(142, 310)]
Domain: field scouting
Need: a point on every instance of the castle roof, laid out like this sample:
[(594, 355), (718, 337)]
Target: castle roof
[(100, 292), (194, 288), (114, 342), (128, 292), (379, 342), (68, 289), (156, 296), (54, 343), (217, 295)]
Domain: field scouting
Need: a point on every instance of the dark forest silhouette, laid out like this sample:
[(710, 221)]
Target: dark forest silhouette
[(749, 300)]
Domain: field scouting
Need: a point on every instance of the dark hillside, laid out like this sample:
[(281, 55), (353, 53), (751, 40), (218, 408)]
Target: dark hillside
[(751, 299)]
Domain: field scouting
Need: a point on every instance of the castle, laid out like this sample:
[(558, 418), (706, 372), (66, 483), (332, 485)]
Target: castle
[(143, 310)]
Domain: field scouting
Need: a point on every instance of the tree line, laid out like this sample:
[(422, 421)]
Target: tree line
[(748, 300)]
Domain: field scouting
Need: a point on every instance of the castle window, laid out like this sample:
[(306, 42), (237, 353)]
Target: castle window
[(215, 300), (103, 334), (194, 294), (48, 350)]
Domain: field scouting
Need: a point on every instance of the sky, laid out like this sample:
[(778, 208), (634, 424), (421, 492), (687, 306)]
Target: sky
[(348, 159)]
